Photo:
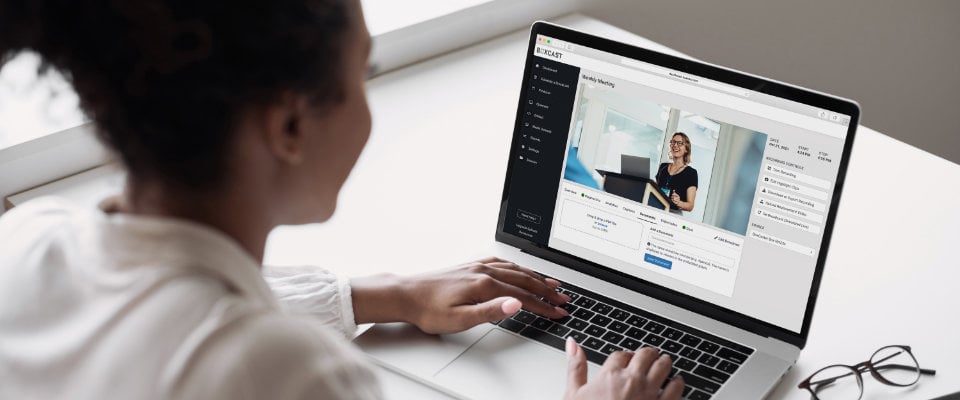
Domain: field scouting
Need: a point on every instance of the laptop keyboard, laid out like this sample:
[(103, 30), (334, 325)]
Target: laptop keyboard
[(602, 325)]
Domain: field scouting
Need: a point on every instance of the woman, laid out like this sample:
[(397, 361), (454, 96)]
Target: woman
[(677, 179), (231, 118)]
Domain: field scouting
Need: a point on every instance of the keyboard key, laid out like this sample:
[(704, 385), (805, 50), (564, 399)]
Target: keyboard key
[(653, 340), (630, 344), (708, 360), (542, 323), (671, 346), (619, 327), (711, 374), (613, 337), (686, 391), (602, 309), (578, 336), (727, 366), (578, 324), (524, 317), (698, 395), (743, 349), (515, 326), (583, 314), (543, 337), (699, 383), (654, 327), (562, 320), (685, 364), (573, 295), (636, 321), (600, 320), (595, 331), (690, 340), (569, 307), (708, 347), (619, 315), (672, 334), (594, 343), (673, 357), (584, 301), (558, 330), (731, 356), (609, 348), (636, 333), (690, 352)]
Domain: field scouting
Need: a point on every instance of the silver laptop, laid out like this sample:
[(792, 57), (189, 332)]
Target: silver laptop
[(727, 289), (635, 166)]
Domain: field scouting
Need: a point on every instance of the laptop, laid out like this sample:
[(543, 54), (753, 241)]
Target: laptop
[(635, 166), (727, 289)]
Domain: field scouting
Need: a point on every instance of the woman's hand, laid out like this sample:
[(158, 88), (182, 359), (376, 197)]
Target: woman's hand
[(624, 375), (675, 198), (456, 299)]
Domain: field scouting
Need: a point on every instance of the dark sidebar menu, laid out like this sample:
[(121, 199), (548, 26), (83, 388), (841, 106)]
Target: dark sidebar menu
[(546, 111)]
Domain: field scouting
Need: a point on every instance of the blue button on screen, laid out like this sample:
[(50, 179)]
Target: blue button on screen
[(652, 259)]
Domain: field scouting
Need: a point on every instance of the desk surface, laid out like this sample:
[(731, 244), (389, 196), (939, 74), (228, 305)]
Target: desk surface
[(425, 194)]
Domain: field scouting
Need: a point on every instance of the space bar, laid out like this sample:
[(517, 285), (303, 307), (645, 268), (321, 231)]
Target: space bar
[(559, 344), (543, 337)]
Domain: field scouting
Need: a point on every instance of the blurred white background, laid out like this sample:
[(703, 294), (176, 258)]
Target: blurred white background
[(899, 59)]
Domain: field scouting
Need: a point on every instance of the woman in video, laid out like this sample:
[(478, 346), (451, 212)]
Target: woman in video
[(677, 179), (230, 118)]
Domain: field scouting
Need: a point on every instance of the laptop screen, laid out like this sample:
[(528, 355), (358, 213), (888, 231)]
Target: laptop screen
[(740, 181)]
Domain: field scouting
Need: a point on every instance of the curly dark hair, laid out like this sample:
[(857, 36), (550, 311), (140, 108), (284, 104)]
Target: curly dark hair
[(165, 81)]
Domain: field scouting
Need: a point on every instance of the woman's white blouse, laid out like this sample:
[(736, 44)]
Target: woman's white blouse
[(103, 306)]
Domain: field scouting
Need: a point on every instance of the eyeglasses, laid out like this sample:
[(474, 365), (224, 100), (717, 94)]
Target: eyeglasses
[(677, 143), (891, 365)]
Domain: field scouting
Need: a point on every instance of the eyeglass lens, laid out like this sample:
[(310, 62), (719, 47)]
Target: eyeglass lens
[(896, 365), (837, 383)]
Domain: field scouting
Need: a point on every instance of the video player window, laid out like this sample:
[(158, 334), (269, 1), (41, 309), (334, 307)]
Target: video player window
[(621, 145)]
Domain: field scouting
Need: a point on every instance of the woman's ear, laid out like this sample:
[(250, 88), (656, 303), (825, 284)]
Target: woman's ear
[(283, 130)]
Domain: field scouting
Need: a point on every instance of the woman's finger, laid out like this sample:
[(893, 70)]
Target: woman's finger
[(491, 259), (659, 370), (576, 366), (492, 310), (528, 283), (642, 359), (618, 360), (553, 283), (674, 389), (515, 267), (530, 302)]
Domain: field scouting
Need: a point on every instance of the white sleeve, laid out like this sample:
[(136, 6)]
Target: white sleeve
[(314, 292), (280, 358)]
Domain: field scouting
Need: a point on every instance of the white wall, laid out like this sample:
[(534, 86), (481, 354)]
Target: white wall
[(899, 59)]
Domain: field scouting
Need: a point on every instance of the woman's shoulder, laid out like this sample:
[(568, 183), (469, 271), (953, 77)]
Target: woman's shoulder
[(690, 172)]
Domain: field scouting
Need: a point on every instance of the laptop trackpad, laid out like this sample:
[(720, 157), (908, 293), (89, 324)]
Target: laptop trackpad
[(505, 366)]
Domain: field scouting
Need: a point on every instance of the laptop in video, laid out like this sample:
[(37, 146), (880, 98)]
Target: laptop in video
[(635, 166), (725, 286)]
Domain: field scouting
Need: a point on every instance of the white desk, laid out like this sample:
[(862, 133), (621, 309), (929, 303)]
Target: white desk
[(426, 191)]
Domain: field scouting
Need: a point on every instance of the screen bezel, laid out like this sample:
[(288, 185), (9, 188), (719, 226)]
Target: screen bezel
[(712, 72)]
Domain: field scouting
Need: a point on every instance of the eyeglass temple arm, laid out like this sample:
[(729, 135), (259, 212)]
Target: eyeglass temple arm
[(907, 367), (924, 371)]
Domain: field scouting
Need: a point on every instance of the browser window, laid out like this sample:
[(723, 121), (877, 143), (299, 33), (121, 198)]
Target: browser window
[(702, 187)]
